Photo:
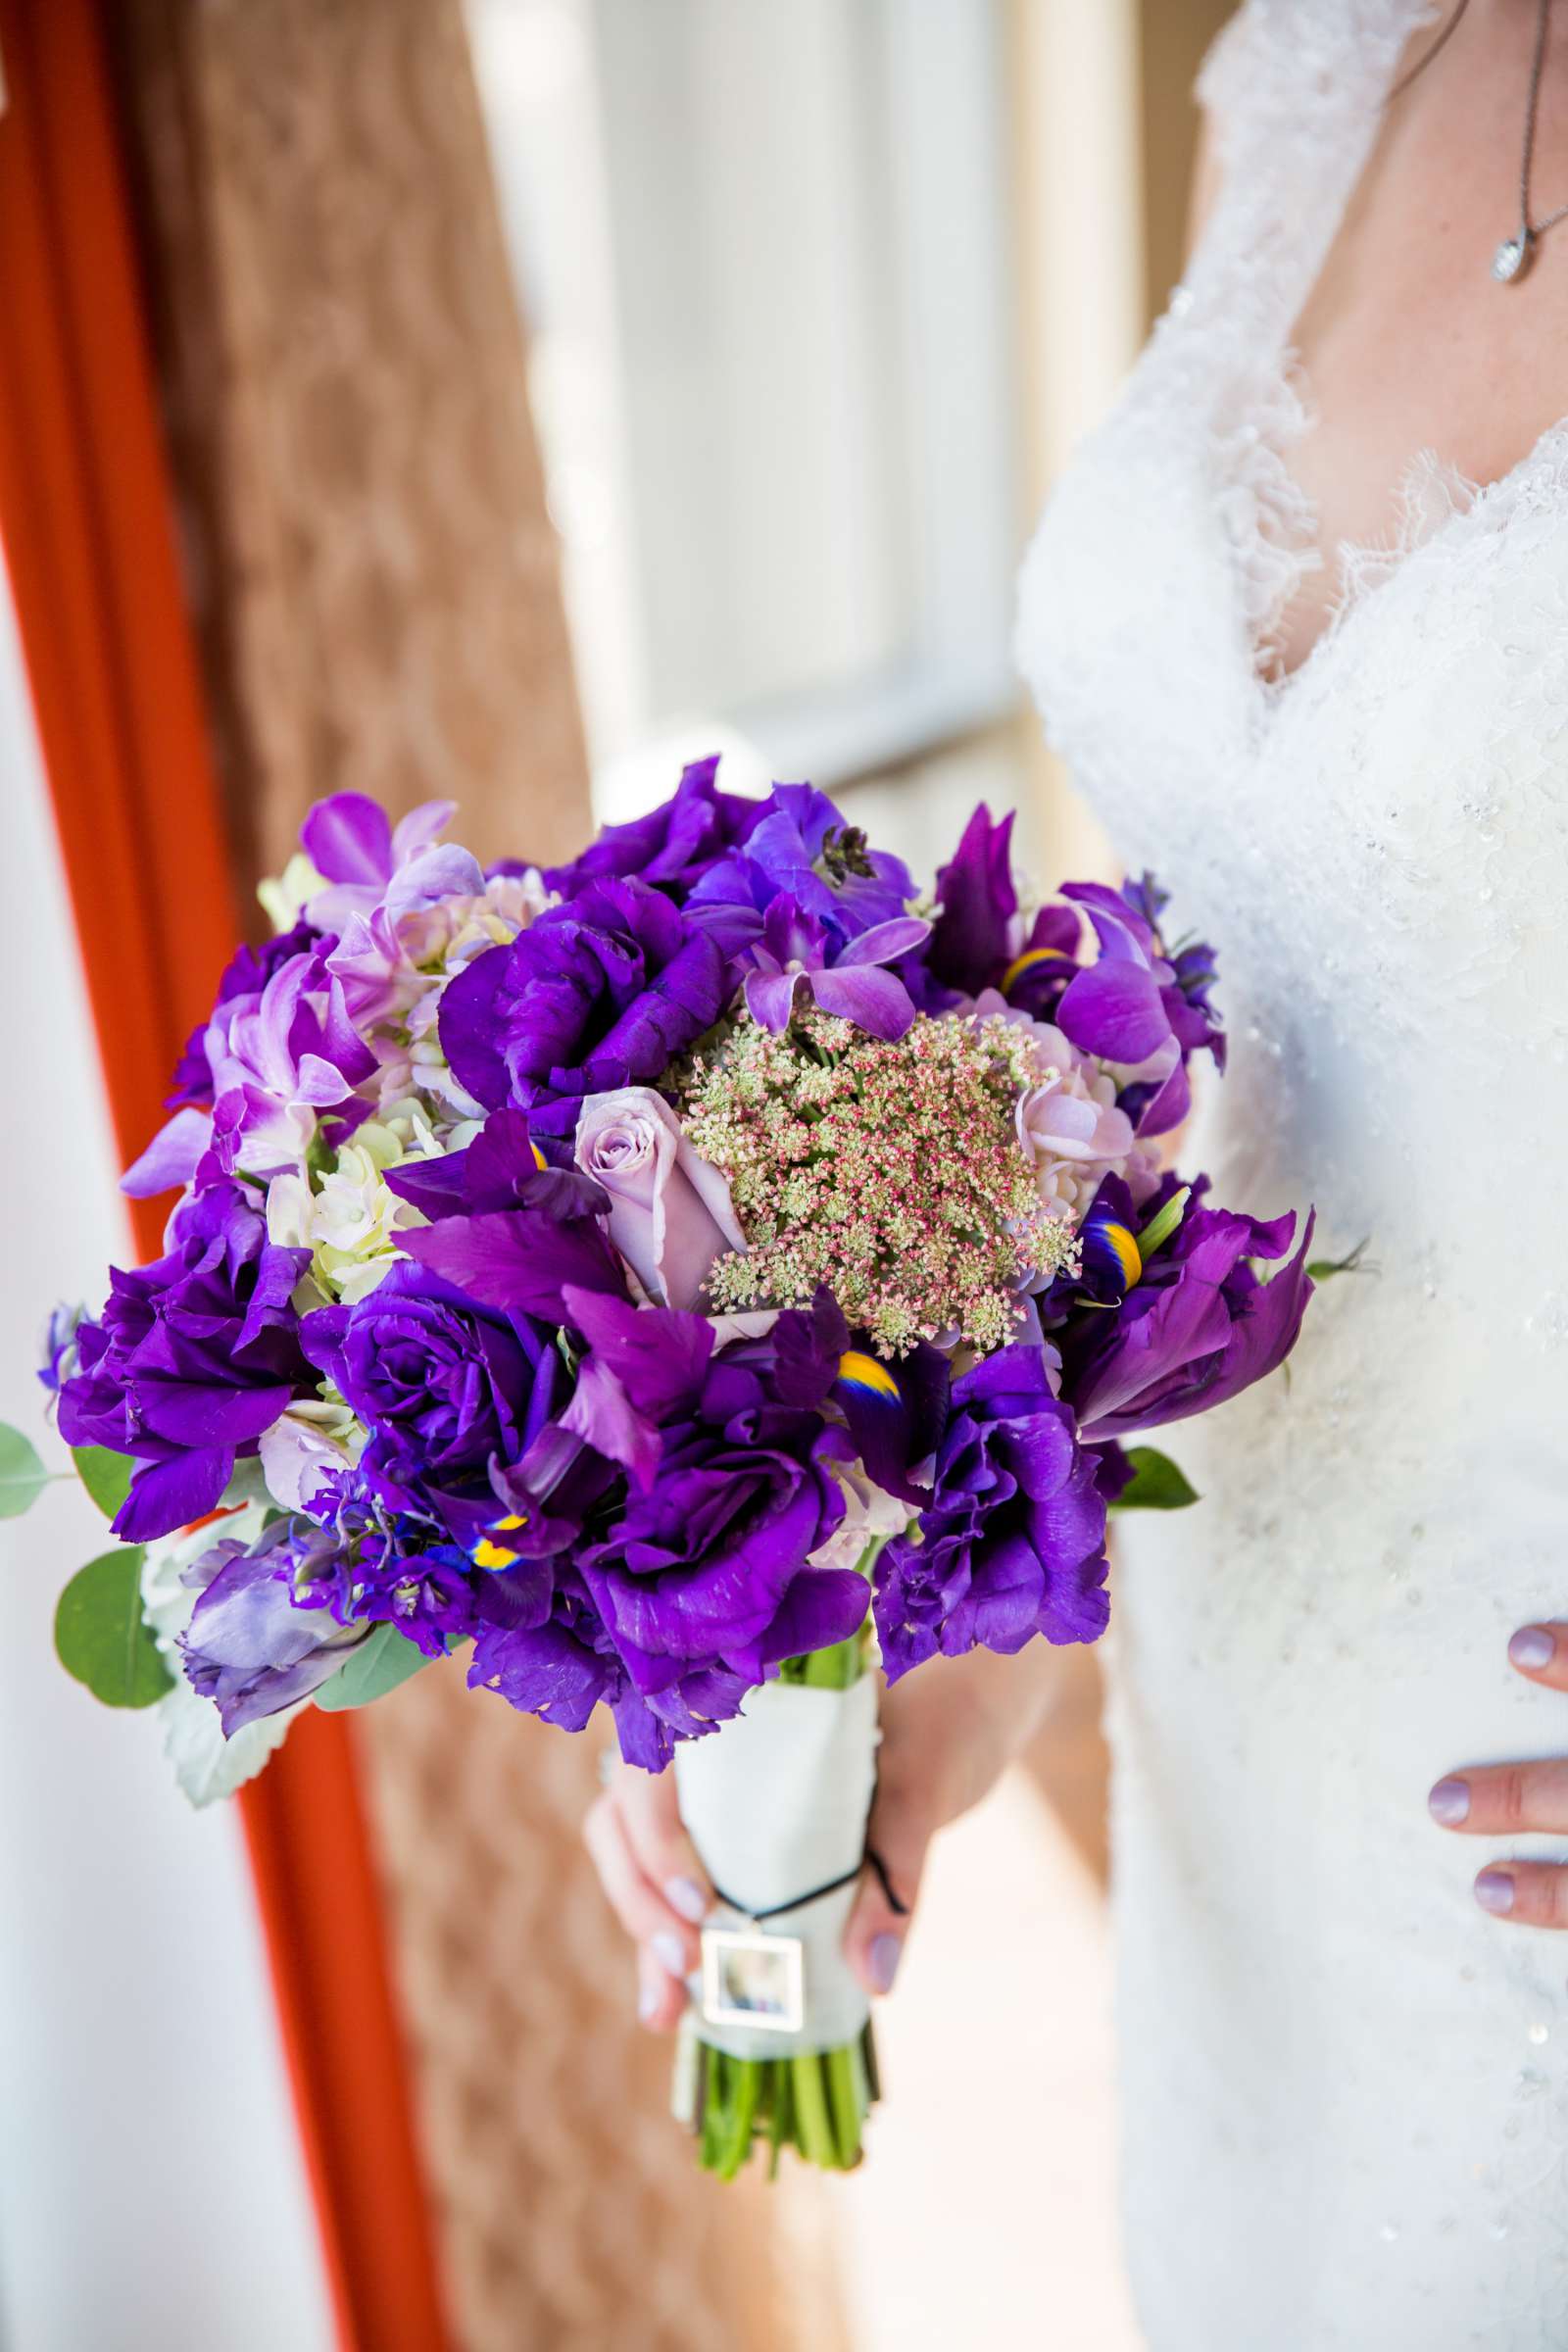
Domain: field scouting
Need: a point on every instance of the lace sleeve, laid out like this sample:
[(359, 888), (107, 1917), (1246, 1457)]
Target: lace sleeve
[(1232, 73)]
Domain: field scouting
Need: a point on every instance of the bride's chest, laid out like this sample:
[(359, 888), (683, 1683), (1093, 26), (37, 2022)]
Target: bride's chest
[(1374, 832)]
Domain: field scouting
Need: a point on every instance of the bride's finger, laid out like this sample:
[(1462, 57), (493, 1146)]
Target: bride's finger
[(1533, 1894), (1542, 1652), (1491, 1800)]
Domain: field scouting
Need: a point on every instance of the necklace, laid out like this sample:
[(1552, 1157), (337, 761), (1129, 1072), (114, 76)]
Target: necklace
[(1516, 254)]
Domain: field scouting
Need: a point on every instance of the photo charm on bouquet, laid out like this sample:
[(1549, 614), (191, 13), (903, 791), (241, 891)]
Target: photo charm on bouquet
[(702, 1282)]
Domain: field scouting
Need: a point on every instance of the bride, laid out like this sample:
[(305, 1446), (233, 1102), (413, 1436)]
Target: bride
[(1316, 676)]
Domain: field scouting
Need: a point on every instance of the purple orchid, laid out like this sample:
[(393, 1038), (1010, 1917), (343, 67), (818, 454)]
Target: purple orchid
[(248, 1647), (191, 1360), (1196, 1324), (797, 952), (801, 847), (602, 991), (1012, 1542), (367, 862), (246, 974), (279, 1061)]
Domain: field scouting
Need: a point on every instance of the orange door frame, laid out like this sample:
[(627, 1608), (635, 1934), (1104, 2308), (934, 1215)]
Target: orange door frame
[(85, 523)]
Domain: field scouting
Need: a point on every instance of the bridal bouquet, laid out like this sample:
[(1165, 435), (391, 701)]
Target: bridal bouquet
[(674, 1279)]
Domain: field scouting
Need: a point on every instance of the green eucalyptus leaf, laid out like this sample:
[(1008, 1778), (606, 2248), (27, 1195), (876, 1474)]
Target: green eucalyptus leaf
[(102, 1637), (1156, 1484), (23, 1476), (376, 1666), (105, 1475)]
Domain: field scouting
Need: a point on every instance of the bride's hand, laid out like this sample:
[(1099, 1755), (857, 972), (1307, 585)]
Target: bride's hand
[(1500, 1800)]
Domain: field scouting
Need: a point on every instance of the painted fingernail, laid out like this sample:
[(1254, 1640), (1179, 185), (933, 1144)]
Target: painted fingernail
[(647, 2003), (883, 1960), (1450, 1803), (687, 1898), (1533, 1646), (1494, 1890), (671, 1953)]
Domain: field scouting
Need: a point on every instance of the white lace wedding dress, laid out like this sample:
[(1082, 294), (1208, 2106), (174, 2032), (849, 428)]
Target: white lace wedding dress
[(1344, 2087)]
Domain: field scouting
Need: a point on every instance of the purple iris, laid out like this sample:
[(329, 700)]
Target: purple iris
[(674, 845), (969, 946), (797, 952), (248, 1647), (445, 1386), (1012, 1543), (191, 1360), (1195, 1329), (600, 993), (57, 1352)]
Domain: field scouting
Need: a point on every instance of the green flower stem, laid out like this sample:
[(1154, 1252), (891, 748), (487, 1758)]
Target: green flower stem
[(813, 2121), (845, 2099)]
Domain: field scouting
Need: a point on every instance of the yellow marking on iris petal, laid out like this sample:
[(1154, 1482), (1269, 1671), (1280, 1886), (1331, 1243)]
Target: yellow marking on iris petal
[(539, 1159), (493, 1555), (507, 1526), (1025, 962), (1123, 1247), (863, 1371)]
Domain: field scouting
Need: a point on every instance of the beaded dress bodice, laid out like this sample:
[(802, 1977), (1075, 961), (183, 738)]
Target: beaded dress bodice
[(1346, 2088)]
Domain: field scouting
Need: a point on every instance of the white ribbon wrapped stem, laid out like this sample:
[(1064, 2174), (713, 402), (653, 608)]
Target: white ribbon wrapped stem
[(776, 1804)]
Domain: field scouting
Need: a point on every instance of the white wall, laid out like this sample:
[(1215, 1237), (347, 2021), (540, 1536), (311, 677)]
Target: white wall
[(152, 2196)]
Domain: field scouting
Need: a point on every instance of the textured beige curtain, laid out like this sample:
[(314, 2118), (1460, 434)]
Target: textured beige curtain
[(345, 376), (375, 584)]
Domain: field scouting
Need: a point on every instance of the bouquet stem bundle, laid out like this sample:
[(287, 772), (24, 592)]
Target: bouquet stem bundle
[(815, 2100)]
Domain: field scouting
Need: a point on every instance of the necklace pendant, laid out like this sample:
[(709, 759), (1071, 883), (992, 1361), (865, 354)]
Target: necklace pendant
[(1513, 258)]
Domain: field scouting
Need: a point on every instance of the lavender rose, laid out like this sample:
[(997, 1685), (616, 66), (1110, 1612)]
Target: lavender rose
[(669, 1209)]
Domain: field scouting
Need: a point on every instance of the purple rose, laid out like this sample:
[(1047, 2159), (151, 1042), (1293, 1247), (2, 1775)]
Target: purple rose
[(1195, 1327), (705, 1567), (191, 1360), (1012, 1543), (248, 1647), (600, 993), (674, 845), (445, 1386)]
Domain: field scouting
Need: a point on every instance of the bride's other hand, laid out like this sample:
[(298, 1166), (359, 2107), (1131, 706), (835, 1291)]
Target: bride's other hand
[(1500, 1800), (947, 1732)]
